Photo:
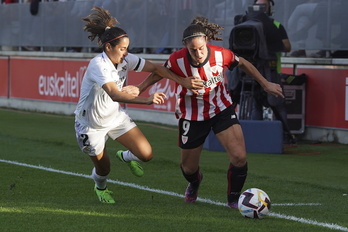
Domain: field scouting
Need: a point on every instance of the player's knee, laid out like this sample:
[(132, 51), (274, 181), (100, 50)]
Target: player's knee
[(239, 159), (146, 156), (240, 162)]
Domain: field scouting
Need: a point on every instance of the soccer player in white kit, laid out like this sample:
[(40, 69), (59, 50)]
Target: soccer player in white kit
[(209, 108), (99, 116)]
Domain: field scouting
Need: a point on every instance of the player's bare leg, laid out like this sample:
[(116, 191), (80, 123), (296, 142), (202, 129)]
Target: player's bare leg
[(139, 150), (135, 141)]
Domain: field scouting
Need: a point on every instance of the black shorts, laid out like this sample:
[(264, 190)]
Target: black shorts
[(192, 134)]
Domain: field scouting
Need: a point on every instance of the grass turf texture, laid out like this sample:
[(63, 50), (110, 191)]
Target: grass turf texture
[(39, 200)]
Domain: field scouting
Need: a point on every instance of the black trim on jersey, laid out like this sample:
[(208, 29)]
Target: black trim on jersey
[(234, 64), (166, 64), (137, 66), (204, 62)]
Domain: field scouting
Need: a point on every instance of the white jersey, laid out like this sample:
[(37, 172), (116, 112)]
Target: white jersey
[(95, 108)]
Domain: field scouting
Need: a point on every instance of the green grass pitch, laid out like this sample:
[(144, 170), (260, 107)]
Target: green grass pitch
[(45, 185)]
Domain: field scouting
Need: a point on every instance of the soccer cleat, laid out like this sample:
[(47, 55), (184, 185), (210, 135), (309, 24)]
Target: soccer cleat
[(134, 166), (233, 205), (191, 192), (104, 196)]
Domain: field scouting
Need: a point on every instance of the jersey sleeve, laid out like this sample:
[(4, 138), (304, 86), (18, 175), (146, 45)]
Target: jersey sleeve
[(135, 63), (230, 59), (167, 64), (177, 62), (99, 73)]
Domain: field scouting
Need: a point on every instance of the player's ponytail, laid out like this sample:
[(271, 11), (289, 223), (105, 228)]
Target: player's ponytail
[(101, 25)]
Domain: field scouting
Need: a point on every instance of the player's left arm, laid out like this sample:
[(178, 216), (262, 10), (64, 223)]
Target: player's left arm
[(136, 90), (251, 70)]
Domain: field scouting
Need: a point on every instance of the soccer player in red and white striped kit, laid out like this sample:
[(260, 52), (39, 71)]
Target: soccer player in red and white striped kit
[(208, 108)]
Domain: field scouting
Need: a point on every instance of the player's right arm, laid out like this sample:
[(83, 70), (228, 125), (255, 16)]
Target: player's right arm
[(157, 74), (119, 96), (251, 70)]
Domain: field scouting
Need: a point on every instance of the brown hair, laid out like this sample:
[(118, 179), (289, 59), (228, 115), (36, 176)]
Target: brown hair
[(101, 24), (201, 27)]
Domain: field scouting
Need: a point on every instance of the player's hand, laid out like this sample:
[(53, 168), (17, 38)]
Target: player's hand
[(157, 98), (131, 89), (274, 89), (192, 83)]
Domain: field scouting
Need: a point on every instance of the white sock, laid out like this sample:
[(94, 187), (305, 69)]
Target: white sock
[(129, 156), (100, 181)]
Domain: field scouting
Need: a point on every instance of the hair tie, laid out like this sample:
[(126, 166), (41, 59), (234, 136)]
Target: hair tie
[(107, 28)]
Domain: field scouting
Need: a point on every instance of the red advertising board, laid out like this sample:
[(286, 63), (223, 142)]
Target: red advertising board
[(4, 76), (59, 80), (326, 96), (46, 79)]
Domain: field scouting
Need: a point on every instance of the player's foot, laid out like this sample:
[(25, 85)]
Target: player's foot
[(104, 196), (134, 166), (233, 205), (191, 192)]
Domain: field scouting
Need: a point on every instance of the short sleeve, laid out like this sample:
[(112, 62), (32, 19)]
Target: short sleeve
[(231, 60), (135, 63)]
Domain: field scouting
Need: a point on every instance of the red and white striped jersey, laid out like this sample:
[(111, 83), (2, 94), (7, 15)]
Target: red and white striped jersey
[(214, 97)]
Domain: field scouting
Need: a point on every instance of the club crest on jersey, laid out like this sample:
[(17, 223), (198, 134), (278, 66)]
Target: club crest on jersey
[(184, 139)]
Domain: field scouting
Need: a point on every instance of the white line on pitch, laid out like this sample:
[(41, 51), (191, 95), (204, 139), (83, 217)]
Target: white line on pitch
[(282, 216)]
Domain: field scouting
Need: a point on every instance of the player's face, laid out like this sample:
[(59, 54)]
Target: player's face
[(198, 50), (119, 52)]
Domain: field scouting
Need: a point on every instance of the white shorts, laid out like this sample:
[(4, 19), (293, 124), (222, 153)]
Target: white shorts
[(92, 141)]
